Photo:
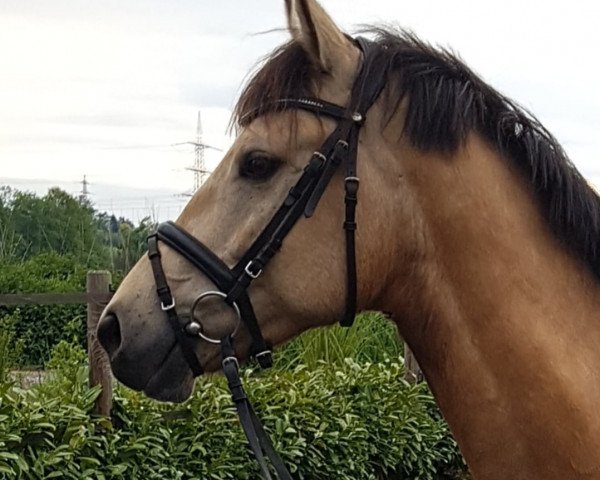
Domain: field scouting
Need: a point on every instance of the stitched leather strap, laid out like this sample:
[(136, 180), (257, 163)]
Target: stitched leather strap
[(167, 303), (219, 273), (341, 147), (258, 439), (310, 104)]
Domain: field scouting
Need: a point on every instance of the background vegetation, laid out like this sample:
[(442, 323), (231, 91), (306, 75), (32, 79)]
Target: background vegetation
[(335, 403), (351, 421), (47, 244)]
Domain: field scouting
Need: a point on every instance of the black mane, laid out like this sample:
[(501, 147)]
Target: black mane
[(447, 101)]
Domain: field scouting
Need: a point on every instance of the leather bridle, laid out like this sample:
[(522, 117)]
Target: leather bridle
[(340, 147)]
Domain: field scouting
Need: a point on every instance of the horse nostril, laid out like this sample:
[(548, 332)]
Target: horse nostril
[(109, 333)]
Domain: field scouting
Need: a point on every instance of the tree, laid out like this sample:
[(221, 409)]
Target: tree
[(46, 245), (9, 239), (56, 222), (131, 243)]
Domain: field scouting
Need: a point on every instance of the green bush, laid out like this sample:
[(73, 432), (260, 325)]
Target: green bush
[(10, 348), (349, 421), (41, 327)]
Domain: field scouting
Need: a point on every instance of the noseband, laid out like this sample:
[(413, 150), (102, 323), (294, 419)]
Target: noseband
[(232, 283)]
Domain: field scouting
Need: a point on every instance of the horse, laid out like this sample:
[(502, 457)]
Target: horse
[(473, 231)]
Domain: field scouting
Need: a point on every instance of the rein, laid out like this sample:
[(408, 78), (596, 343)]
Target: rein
[(341, 147)]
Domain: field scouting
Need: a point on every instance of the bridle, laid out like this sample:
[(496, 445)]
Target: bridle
[(340, 147)]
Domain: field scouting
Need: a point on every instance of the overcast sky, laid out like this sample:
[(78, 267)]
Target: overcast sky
[(105, 88)]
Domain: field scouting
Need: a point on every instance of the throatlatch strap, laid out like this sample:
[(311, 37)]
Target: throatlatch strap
[(351, 184), (365, 91)]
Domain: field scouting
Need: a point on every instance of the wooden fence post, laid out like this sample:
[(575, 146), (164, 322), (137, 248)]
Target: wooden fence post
[(98, 283), (412, 371)]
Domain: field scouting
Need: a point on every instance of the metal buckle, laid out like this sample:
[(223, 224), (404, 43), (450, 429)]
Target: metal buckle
[(351, 186), (357, 117), (250, 273), (263, 354), (320, 156), (264, 358), (230, 359), (166, 308)]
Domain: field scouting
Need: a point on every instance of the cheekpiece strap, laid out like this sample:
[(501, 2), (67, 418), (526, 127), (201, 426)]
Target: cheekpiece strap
[(167, 304)]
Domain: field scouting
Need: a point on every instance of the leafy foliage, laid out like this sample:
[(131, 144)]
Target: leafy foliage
[(344, 418), (62, 224), (10, 348), (372, 338), (56, 222), (350, 421), (46, 245), (41, 327), (127, 242)]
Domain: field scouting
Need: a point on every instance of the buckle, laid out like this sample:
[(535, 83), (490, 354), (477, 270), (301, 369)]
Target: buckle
[(320, 156), (166, 308), (264, 358), (230, 359), (351, 184), (250, 273)]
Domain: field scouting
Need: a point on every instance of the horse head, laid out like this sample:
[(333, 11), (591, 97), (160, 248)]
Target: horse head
[(304, 284)]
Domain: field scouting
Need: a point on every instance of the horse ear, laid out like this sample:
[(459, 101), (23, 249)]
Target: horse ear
[(314, 29)]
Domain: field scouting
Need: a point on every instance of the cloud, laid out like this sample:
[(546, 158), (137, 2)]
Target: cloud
[(87, 80)]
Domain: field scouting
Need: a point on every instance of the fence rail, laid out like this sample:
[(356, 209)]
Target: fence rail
[(96, 297), (13, 299)]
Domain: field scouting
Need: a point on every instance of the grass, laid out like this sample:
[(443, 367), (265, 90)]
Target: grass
[(373, 338)]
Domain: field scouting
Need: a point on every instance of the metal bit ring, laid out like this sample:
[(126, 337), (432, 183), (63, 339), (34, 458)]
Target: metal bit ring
[(196, 328)]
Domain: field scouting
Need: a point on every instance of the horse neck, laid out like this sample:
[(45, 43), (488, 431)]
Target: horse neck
[(503, 321)]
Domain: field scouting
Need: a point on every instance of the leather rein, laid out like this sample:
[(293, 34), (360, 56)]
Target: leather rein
[(232, 283)]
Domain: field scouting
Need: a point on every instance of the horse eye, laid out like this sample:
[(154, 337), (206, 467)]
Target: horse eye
[(258, 166)]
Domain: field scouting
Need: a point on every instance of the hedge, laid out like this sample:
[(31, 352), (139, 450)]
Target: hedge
[(41, 327), (345, 422)]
